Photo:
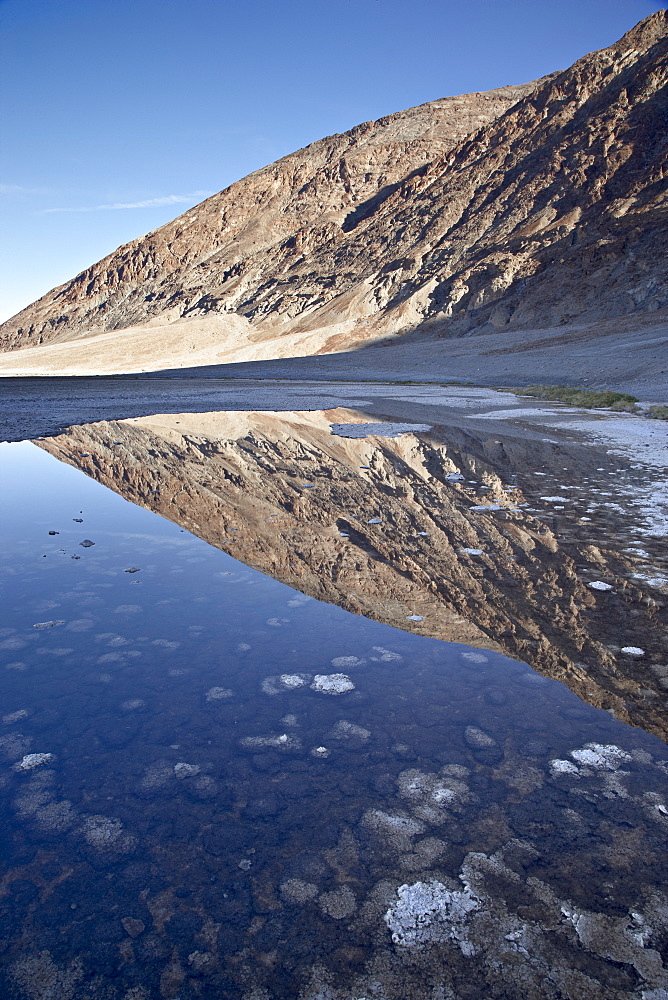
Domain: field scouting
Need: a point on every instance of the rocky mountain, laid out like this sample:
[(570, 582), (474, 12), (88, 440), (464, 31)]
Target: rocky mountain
[(394, 527), (519, 209)]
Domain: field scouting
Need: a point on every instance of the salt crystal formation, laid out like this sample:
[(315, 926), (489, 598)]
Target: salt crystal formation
[(608, 757), (13, 717), (332, 684), (347, 661), (428, 913), (218, 694), (33, 760), (344, 730), (182, 770), (106, 833), (386, 655), (339, 904), (435, 797), (282, 742), (397, 830), (132, 704), (296, 891), (474, 657), (285, 682), (563, 767)]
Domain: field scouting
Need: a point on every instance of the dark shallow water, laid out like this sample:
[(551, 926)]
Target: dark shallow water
[(208, 825)]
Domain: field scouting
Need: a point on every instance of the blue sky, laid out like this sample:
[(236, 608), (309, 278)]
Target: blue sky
[(117, 115)]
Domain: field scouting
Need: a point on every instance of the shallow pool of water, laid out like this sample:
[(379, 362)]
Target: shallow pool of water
[(215, 786)]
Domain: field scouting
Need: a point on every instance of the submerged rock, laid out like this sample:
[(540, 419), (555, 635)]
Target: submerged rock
[(294, 890), (344, 730), (477, 739), (339, 904)]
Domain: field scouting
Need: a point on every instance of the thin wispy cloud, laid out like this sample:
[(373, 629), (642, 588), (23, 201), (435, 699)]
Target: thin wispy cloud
[(168, 199), (19, 189)]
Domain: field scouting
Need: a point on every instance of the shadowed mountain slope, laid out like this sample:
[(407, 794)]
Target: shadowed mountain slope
[(520, 209)]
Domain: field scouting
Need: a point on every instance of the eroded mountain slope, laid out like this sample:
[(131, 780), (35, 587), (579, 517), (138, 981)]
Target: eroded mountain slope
[(519, 209), (219, 246)]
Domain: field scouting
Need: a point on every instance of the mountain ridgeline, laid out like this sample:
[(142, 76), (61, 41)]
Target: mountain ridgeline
[(523, 208)]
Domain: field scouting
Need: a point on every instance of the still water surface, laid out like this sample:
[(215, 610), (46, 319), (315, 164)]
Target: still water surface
[(215, 786)]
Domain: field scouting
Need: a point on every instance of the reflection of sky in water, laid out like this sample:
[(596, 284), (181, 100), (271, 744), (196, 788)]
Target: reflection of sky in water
[(215, 822)]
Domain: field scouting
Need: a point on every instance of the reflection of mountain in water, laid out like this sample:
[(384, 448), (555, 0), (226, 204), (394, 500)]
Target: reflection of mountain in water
[(242, 482)]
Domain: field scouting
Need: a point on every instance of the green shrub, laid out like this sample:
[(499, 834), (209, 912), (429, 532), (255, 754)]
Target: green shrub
[(588, 398), (658, 412)]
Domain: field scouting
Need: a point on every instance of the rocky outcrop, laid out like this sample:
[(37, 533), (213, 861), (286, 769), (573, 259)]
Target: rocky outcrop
[(424, 524), (524, 208), (213, 256)]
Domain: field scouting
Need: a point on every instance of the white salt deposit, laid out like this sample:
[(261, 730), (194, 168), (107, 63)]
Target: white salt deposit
[(332, 684), (606, 757), (33, 760), (428, 912), (563, 767)]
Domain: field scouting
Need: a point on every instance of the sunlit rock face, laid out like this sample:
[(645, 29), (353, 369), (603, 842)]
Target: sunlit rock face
[(525, 208), (451, 533)]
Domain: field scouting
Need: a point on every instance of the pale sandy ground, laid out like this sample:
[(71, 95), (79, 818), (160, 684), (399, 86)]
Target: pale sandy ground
[(629, 354), (205, 340)]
